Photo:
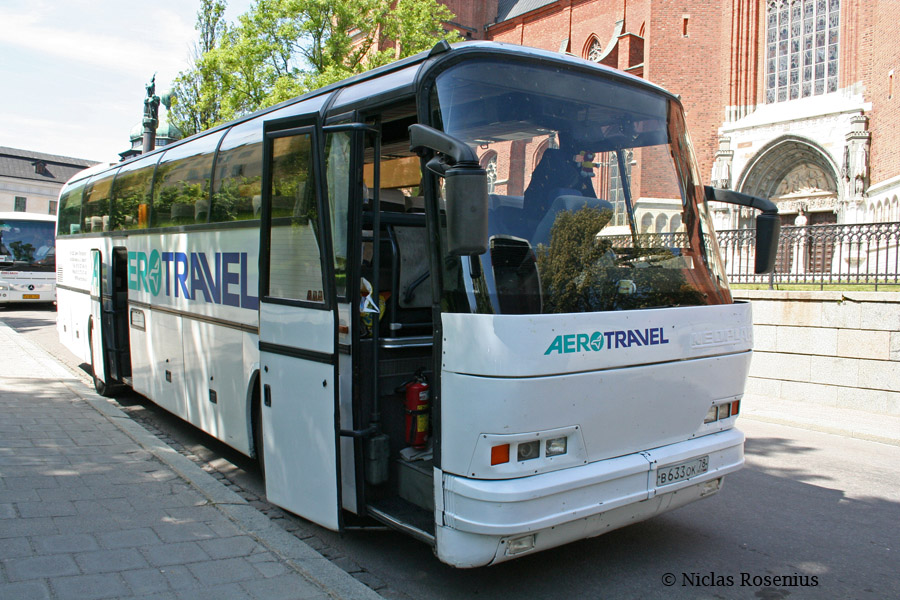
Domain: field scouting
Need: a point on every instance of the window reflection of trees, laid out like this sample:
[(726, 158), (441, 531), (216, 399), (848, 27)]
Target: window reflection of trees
[(581, 271)]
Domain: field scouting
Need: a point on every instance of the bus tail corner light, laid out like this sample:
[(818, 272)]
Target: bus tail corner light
[(722, 411)]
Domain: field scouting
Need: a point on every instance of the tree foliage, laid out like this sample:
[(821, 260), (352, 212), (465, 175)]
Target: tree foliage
[(196, 105), (282, 48)]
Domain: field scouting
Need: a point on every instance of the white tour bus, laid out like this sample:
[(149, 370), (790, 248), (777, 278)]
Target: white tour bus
[(427, 297), (27, 257)]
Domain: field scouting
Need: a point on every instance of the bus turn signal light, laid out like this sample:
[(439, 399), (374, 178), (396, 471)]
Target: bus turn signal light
[(500, 454)]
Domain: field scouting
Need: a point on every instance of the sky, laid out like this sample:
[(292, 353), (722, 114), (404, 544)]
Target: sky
[(73, 73)]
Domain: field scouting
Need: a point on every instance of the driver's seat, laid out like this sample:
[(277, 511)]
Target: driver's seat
[(555, 175)]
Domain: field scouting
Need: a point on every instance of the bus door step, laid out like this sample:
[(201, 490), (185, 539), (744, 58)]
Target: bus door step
[(405, 516)]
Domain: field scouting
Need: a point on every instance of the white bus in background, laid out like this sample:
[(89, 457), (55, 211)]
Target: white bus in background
[(328, 285), (27, 257)]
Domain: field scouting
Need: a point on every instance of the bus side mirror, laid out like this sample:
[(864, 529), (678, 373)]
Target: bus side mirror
[(768, 225), (465, 188)]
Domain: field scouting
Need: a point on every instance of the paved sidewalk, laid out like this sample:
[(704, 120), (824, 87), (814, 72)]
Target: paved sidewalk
[(93, 506)]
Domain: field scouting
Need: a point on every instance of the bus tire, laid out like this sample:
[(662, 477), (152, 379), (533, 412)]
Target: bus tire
[(100, 386), (256, 417)]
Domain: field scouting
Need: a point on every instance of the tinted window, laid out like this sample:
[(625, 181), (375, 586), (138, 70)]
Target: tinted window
[(95, 206), (295, 268), (69, 218), (132, 194), (181, 183), (338, 179), (238, 176)]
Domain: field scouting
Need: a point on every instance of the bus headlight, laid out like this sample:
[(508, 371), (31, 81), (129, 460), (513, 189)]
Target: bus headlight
[(725, 410), (529, 450), (556, 446)]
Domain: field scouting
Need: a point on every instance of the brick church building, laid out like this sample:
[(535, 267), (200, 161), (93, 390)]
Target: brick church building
[(794, 100)]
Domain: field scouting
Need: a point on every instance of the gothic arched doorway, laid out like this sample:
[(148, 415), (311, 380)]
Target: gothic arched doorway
[(798, 176), (802, 179)]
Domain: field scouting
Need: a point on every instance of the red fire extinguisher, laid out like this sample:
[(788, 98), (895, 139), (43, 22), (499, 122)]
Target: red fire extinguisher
[(416, 406)]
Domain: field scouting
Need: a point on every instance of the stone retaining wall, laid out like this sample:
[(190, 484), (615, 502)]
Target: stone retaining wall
[(830, 348)]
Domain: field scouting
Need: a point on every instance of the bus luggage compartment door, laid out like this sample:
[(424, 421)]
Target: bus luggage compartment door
[(298, 411)]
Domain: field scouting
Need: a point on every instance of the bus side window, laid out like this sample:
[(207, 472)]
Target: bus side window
[(131, 194), (237, 184), (69, 212), (338, 175), (181, 186), (96, 203)]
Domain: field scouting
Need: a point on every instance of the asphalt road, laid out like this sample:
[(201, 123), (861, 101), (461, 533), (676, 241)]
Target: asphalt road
[(811, 516)]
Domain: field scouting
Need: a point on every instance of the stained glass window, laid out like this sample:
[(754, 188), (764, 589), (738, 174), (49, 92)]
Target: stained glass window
[(801, 48)]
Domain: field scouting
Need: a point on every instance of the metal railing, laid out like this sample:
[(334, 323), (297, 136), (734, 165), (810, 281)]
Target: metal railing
[(819, 254)]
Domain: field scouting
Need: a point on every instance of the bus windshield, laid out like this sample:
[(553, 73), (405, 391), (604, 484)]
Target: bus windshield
[(595, 202), (27, 245)]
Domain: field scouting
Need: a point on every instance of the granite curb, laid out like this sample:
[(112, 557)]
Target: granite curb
[(845, 422)]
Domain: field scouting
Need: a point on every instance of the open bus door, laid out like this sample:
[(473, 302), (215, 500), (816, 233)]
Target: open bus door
[(297, 334), (108, 331), (114, 291), (95, 324)]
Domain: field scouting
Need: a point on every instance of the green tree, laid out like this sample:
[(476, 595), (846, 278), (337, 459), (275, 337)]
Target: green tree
[(282, 48), (196, 103)]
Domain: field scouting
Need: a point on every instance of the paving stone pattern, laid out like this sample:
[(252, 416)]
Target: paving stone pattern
[(86, 512)]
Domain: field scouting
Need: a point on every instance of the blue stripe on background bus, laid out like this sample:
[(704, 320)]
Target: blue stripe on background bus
[(191, 276), (582, 342)]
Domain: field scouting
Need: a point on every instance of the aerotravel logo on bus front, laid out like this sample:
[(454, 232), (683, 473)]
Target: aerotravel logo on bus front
[(595, 342)]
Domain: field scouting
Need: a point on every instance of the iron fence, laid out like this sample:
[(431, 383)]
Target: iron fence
[(819, 254)]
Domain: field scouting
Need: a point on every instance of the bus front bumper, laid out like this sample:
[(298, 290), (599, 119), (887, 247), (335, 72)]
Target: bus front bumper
[(482, 522), (37, 295)]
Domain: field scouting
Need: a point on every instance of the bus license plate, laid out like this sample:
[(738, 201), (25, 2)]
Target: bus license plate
[(682, 471), (30, 296)]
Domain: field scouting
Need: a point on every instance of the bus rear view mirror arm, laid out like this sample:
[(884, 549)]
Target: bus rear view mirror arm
[(465, 189), (768, 225)]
